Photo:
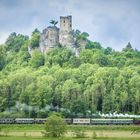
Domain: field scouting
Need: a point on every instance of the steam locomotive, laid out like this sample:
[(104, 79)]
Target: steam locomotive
[(74, 121)]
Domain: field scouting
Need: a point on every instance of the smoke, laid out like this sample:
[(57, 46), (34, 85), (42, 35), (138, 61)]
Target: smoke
[(118, 115), (22, 107)]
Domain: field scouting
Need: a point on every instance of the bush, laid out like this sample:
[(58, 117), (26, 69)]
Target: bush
[(79, 133), (94, 135), (55, 126)]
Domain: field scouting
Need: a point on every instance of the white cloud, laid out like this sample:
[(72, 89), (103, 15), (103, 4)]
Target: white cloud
[(112, 23)]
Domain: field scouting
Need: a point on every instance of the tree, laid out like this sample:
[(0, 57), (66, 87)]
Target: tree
[(108, 50), (128, 47), (100, 59), (53, 22), (86, 56), (93, 45), (55, 126), (37, 59), (2, 57), (34, 42), (15, 41)]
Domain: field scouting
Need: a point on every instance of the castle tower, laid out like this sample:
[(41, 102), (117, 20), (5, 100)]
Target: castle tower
[(65, 32), (65, 24)]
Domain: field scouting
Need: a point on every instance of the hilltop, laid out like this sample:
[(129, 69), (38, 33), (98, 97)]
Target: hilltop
[(98, 79)]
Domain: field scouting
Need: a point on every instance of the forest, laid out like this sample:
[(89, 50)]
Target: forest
[(98, 80)]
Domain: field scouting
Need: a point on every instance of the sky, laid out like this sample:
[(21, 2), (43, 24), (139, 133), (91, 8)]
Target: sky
[(113, 23)]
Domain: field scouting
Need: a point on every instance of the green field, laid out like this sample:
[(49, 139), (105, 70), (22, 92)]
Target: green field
[(34, 132), (39, 127), (33, 138)]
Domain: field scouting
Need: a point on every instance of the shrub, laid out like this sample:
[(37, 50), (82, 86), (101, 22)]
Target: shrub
[(94, 135), (79, 133), (55, 126)]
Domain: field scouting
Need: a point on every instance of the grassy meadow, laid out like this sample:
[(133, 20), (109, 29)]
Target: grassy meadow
[(104, 132), (35, 138)]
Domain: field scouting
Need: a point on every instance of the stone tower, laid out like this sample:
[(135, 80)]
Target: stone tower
[(65, 33)]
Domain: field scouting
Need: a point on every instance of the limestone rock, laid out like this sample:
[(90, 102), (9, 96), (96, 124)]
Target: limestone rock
[(49, 38)]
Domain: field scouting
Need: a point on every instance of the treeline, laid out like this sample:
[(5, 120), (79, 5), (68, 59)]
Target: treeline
[(99, 79)]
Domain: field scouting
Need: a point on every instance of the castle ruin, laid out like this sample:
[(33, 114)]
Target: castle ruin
[(52, 36)]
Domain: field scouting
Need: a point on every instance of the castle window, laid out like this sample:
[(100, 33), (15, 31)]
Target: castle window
[(70, 25), (64, 21)]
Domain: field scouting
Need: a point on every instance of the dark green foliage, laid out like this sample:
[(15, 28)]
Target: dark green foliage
[(93, 45), (83, 36), (78, 35), (128, 47), (53, 22), (108, 50)]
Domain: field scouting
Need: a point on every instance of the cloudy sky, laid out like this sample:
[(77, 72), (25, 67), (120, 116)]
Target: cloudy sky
[(113, 23)]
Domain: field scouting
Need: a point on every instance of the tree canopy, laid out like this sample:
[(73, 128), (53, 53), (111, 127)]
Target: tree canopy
[(98, 80)]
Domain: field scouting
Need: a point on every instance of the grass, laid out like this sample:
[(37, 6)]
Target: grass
[(104, 132), (105, 127), (36, 138), (39, 127), (22, 127)]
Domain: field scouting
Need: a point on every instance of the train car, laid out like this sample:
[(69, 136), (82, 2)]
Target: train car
[(111, 121), (40, 120), (7, 120), (137, 122), (82, 121), (68, 120), (24, 120), (75, 121)]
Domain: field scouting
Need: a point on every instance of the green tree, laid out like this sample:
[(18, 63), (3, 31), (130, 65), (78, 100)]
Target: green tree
[(35, 37), (93, 45), (100, 58), (15, 41), (128, 47), (108, 50), (2, 57), (37, 59), (55, 126), (86, 56)]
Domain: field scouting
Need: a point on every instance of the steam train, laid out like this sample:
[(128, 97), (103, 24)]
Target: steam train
[(74, 121)]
